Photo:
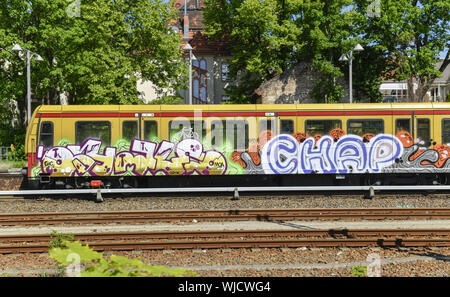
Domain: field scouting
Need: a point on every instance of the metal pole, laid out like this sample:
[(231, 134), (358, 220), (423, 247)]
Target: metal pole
[(190, 77), (350, 75), (28, 86)]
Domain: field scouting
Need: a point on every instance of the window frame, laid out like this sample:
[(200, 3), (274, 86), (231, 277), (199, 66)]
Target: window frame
[(429, 129), (365, 120), (281, 126), (137, 128), (272, 124), (46, 134), (246, 135), (442, 130), (204, 127), (103, 144), (156, 126), (306, 124), (409, 120)]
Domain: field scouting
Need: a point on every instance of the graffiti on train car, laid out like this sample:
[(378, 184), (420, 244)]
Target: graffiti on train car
[(339, 153), (349, 154), (298, 153), (143, 158)]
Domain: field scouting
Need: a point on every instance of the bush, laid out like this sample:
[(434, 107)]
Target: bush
[(69, 254)]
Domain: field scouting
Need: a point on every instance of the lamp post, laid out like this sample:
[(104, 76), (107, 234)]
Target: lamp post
[(188, 47), (29, 56), (349, 57)]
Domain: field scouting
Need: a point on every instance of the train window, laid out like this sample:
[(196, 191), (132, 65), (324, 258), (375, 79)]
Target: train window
[(93, 129), (423, 130), (366, 126), (321, 127), (46, 134), (150, 130), (182, 129), (129, 130), (229, 134), (402, 125), (446, 131), (286, 126)]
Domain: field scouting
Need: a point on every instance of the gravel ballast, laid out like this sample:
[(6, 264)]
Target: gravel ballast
[(195, 201), (317, 262), (413, 262)]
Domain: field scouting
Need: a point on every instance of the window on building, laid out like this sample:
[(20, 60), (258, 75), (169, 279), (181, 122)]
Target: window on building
[(46, 134), (93, 129), (402, 125), (321, 127), (129, 130), (199, 81), (286, 126), (182, 129), (365, 126), (446, 131), (150, 130), (232, 134)]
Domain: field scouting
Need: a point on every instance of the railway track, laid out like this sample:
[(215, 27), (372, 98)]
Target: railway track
[(24, 219), (236, 239)]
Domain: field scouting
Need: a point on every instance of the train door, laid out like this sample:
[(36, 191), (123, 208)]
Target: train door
[(268, 127)]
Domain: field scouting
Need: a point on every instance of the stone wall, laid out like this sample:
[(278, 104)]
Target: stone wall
[(295, 86)]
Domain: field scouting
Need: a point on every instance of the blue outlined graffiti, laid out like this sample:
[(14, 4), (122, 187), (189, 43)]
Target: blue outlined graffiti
[(350, 154)]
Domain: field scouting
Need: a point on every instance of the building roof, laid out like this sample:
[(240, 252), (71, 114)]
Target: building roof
[(445, 76)]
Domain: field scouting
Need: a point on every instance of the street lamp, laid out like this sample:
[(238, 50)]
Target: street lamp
[(349, 57), (38, 58), (188, 47)]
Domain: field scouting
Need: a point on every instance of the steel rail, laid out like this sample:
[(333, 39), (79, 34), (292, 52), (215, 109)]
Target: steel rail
[(239, 243), (230, 189), (222, 215), (213, 234)]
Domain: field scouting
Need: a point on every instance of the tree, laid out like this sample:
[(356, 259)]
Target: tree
[(94, 51), (269, 36), (410, 35)]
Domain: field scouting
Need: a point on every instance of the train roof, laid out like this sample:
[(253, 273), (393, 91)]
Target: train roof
[(239, 107)]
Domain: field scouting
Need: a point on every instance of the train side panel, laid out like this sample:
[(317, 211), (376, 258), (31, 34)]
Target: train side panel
[(336, 139)]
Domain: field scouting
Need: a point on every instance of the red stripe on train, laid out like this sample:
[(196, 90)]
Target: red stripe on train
[(247, 114)]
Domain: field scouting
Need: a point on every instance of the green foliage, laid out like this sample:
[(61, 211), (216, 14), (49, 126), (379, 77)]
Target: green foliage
[(96, 265), (270, 36), (59, 238), (409, 35), (168, 100), (358, 270), (94, 58)]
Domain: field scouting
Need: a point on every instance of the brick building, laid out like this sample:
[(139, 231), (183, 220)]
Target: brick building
[(210, 69)]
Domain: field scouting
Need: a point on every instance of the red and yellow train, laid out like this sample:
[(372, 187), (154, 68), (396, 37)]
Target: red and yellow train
[(149, 145)]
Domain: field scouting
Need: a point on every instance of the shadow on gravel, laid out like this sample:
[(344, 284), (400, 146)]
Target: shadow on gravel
[(436, 256), (293, 225)]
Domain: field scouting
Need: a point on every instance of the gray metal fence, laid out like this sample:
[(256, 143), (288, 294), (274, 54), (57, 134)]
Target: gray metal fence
[(6, 154)]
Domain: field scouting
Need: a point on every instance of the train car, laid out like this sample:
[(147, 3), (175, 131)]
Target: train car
[(235, 145)]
